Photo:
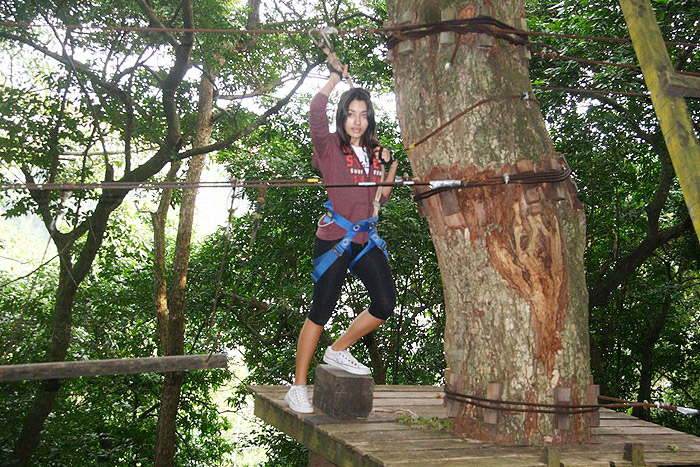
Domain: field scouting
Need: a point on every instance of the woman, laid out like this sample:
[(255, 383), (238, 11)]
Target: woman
[(350, 155)]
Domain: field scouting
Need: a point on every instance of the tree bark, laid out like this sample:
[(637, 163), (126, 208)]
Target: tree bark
[(511, 256)]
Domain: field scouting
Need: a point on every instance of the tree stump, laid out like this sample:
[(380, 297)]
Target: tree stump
[(341, 394)]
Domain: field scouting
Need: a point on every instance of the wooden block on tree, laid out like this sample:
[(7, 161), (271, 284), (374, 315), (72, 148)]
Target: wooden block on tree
[(341, 394)]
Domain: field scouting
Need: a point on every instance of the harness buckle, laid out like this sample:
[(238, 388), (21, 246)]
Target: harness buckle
[(337, 248)]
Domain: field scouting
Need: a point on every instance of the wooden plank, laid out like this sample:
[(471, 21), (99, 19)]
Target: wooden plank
[(394, 436), (363, 427), (422, 445), (475, 463), (650, 447), (117, 366), (381, 440), (622, 422), (316, 440), (410, 402), (633, 430), (463, 458)]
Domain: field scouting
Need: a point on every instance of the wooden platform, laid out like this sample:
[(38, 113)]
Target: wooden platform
[(380, 440)]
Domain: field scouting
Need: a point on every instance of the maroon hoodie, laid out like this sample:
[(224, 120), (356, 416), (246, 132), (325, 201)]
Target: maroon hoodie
[(355, 204)]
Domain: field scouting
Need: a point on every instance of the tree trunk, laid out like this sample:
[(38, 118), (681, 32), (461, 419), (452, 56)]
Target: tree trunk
[(171, 312), (46, 394), (510, 255), (70, 277)]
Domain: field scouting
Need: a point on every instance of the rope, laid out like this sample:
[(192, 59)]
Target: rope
[(220, 275), (524, 407), (227, 238), (592, 91), (549, 176), (480, 25), (507, 30), (588, 61), (524, 97)]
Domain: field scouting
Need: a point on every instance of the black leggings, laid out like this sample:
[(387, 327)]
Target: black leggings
[(372, 269)]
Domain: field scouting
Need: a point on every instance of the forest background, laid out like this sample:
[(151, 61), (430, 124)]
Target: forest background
[(91, 105)]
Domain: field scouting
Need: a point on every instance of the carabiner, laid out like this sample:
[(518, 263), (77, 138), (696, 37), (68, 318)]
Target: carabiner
[(324, 33)]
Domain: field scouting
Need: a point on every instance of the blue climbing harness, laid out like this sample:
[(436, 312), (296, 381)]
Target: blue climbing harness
[(323, 262)]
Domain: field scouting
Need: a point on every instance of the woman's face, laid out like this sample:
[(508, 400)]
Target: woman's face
[(356, 122)]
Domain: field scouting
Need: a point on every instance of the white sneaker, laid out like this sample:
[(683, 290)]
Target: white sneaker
[(343, 360), (297, 399)]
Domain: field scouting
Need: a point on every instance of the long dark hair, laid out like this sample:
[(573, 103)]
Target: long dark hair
[(369, 137)]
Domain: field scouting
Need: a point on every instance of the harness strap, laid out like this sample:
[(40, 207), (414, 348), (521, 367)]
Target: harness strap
[(323, 262)]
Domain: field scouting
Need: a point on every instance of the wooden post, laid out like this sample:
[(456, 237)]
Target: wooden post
[(551, 456), (634, 452), (665, 86), (118, 366), (493, 391)]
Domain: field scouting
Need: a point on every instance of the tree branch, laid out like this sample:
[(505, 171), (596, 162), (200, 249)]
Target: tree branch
[(156, 22), (253, 126), (599, 293), (649, 138)]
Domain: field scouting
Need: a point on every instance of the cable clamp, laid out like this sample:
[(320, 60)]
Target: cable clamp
[(444, 184), (506, 178)]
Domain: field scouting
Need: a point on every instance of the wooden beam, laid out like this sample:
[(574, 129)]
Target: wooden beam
[(671, 110), (118, 366)]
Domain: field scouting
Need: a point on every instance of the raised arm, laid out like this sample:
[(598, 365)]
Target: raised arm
[(318, 119)]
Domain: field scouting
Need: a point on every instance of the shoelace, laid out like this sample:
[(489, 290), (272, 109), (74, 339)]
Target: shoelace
[(298, 397), (348, 358)]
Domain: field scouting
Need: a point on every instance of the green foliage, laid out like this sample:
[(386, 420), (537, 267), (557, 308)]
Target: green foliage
[(427, 424), (110, 419)]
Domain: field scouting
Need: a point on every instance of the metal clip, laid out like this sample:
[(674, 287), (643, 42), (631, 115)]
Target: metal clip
[(506, 178)]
